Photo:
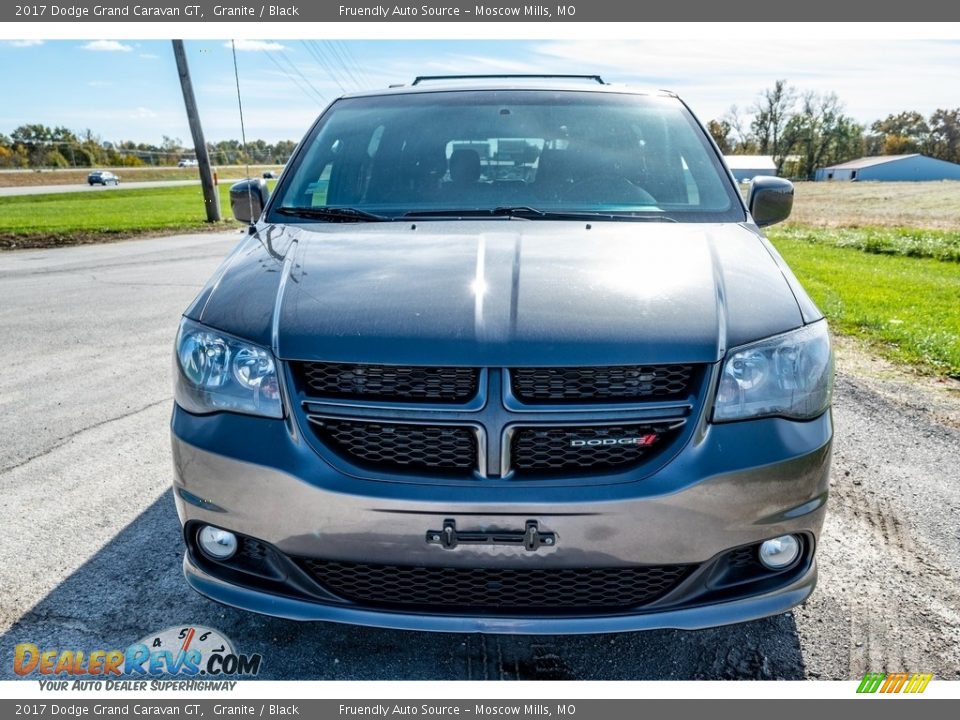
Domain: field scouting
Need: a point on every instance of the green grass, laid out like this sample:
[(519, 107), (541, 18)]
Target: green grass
[(78, 176), (909, 242), (64, 218), (908, 308), (106, 211)]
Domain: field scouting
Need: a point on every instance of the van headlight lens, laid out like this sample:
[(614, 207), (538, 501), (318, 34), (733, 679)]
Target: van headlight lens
[(789, 375), (217, 372)]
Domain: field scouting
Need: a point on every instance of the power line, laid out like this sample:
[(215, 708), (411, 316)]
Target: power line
[(320, 96), (243, 130), (315, 52), (333, 62), (286, 72), (367, 77), (343, 63)]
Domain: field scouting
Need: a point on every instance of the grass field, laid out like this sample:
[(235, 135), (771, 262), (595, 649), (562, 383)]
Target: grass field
[(72, 218), (34, 178), (908, 309), (882, 260), (917, 205), (908, 242)]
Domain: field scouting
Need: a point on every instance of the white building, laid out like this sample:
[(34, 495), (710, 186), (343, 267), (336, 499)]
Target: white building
[(747, 167)]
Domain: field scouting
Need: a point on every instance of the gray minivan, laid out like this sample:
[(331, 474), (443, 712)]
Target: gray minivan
[(504, 354)]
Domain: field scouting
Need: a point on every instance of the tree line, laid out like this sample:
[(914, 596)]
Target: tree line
[(801, 131), (36, 146), (806, 131)]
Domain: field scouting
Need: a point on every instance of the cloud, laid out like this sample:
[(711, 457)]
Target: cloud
[(143, 112), (24, 43), (106, 46), (872, 77), (255, 45), (149, 56)]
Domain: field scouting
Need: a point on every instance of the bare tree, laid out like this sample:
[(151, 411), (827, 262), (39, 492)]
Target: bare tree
[(771, 124), (742, 140)]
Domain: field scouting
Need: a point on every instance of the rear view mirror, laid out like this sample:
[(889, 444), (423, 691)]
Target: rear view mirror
[(770, 199), (248, 198)]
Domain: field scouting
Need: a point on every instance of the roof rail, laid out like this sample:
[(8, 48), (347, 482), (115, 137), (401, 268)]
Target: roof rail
[(429, 78)]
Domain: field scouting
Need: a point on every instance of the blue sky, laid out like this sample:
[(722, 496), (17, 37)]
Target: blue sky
[(128, 89)]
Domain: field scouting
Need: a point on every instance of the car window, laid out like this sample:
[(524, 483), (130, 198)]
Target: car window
[(554, 151)]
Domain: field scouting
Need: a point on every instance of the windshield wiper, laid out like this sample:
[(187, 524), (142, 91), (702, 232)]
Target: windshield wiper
[(334, 214), (525, 211), (518, 211)]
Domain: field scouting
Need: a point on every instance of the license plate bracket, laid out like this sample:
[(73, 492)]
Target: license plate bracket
[(531, 538)]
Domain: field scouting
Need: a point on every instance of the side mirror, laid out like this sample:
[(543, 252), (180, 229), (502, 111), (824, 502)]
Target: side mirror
[(770, 199), (248, 198)]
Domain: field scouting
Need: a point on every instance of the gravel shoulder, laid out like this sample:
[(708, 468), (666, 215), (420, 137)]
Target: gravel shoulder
[(889, 592), (91, 557)]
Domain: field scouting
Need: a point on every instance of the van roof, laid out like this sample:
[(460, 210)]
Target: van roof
[(448, 83)]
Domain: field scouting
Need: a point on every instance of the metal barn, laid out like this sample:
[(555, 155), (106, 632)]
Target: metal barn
[(747, 167), (892, 168)]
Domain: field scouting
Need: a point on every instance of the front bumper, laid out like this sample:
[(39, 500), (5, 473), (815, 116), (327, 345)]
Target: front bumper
[(732, 485)]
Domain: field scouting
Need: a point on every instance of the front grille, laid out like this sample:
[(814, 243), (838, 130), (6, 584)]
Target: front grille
[(486, 589), (622, 383), (584, 448), (389, 382), (399, 446)]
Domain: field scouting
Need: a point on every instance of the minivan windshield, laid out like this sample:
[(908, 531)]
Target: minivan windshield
[(506, 153)]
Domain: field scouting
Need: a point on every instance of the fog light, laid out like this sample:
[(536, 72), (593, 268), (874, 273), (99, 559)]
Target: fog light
[(776, 554), (218, 544)]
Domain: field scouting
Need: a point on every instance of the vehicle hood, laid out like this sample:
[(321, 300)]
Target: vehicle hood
[(502, 292)]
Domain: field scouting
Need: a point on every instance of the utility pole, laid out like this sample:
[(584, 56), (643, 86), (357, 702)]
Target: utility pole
[(211, 197)]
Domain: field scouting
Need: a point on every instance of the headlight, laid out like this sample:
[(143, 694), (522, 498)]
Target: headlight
[(216, 371), (789, 375)]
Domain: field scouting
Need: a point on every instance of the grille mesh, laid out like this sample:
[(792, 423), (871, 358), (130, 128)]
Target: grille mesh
[(497, 589), (253, 550), (551, 448), (389, 445), (390, 382), (745, 557), (600, 384)]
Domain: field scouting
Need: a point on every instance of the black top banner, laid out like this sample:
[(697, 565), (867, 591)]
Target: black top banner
[(549, 11)]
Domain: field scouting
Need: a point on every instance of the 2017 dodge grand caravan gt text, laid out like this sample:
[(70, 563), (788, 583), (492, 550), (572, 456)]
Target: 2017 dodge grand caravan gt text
[(504, 355)]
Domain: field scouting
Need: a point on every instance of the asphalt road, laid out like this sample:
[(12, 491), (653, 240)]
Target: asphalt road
[(84, 187), (91, 550)]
